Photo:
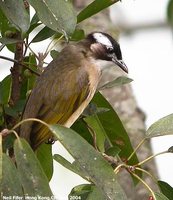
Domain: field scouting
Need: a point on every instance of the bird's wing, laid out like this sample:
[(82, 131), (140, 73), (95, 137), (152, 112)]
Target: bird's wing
[(54, 99)]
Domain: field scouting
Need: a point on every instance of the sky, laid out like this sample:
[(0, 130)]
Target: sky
[(148, 55)]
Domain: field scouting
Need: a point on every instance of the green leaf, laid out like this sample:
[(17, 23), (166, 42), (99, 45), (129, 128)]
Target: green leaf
[(160, 196), (8, 142), (98, 131), (11, 47), (114, 128), (92, 109), (45, 33), (32, 176), (117, 82), (16, 110), (94, 8), (5, 25), (86, 192), (70, 166), (35, 19), (11, 185), (166, 189), (1, 115), (54, 54), (0, 162), (3, 22), (16, 13), (80, 127), (5, 90), (113, 151), (95, 194), (32, 27), (163, 126), (81, 191), (64, 162), (5, 40), (115, 131), (10, 111), (170, 12), (170, 150), (34, 23), (29, 77), (44, 153), (90, 161), (32, 64), (79, 34), (8, 32), (56, 14)]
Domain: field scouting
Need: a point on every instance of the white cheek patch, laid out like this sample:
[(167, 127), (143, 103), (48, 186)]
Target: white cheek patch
[(100, 38), (101, 64)]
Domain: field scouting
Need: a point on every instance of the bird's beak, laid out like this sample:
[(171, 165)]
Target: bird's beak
[(120, 64)]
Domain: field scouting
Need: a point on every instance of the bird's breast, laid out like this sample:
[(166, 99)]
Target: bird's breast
[(94, 75)]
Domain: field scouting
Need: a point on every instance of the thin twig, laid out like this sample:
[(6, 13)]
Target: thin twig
[(27, 46), (16, 71), (2, 46), (148, 173), (30, 119), (116, 170), (9, 59), (111, 159), (145, 184), (15, 61), (135, 150), (50, 48), (15, 133), (93, 134), (150, 158)]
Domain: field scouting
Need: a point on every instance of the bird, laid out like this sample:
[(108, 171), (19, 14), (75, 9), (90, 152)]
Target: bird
[(68, 84)]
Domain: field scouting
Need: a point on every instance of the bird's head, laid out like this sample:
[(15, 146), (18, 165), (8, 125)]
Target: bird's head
[(104, 47)]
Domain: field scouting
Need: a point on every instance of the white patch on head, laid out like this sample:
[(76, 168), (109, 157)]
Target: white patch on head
[(99, 37)]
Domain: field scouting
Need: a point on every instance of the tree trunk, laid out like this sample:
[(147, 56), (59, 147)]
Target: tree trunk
[(123, 101)]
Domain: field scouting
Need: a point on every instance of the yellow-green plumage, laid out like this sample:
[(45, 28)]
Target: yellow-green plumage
[(61, 93)]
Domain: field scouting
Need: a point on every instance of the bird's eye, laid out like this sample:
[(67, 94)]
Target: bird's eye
[(110, 50)]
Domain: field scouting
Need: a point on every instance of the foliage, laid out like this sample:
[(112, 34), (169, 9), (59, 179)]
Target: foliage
[(103, 158), (170, 12)]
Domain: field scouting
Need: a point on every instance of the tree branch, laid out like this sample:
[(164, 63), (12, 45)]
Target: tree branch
[(22, 64), (16, 72)]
